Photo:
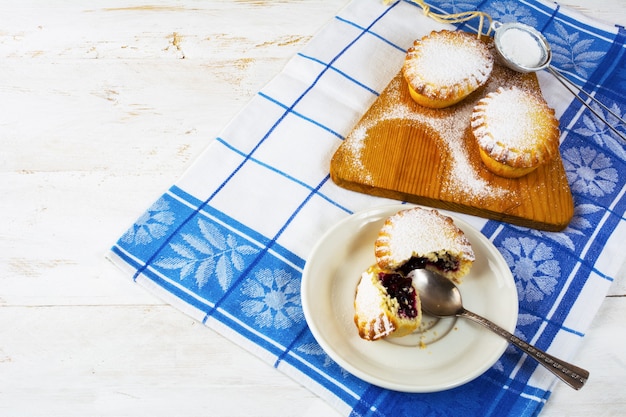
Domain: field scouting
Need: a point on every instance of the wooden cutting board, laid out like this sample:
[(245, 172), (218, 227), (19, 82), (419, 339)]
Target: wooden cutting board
[(404, 151)]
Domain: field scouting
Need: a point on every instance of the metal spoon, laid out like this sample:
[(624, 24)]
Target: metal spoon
[(441, 298)]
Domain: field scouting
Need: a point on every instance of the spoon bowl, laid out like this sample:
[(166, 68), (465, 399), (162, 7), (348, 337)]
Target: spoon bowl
[(440, 297)]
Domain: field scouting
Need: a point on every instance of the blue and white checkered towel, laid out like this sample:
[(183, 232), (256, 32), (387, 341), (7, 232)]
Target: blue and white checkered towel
[(239, 224)]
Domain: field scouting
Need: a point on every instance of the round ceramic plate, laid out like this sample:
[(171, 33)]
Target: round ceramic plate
[(444, 353)]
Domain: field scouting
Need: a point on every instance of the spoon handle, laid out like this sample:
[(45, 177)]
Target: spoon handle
[(572, 375)]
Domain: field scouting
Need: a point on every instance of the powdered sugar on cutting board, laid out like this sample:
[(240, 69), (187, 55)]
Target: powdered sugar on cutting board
[(462, 176), (354, 145)]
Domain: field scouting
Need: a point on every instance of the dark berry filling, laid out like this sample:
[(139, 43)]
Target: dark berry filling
[(400, 288), (444, 263)]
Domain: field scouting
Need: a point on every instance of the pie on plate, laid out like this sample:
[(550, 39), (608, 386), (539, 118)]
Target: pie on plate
[(446, 354)]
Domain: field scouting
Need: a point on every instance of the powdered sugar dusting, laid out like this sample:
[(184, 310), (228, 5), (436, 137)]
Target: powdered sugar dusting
[(462, 177), (370, 304), (423, 232), (506, 115), (522, 48), (446, 60), (354, 145)]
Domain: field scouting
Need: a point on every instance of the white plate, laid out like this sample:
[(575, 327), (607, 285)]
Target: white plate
[(452, 353)]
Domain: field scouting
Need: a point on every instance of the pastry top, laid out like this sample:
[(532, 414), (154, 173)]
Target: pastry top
[(516, 128), (382, 311), (420, 233), (447, 65)]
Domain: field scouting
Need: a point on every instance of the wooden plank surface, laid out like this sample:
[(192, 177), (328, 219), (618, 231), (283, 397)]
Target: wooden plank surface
[(100, 114)]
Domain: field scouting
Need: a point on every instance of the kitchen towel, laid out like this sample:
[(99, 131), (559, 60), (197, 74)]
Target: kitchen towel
[(228, 241)]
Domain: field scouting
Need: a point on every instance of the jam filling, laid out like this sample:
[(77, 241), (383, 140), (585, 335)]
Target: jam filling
[(400, 288), (444, 263)]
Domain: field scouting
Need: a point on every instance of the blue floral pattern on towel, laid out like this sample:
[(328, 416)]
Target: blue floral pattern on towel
[(273, 299), (593, 128), (590, 171), (572, 51), (510, 12), (533, 264), (207, 253), (152, 225)]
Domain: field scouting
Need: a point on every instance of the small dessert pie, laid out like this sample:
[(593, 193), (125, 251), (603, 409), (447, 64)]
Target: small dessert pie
[(423, 238), (516, 131), (386, 304), (444, 67)]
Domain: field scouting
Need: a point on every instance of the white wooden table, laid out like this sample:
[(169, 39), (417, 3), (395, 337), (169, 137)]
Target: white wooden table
[(103, 104)]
